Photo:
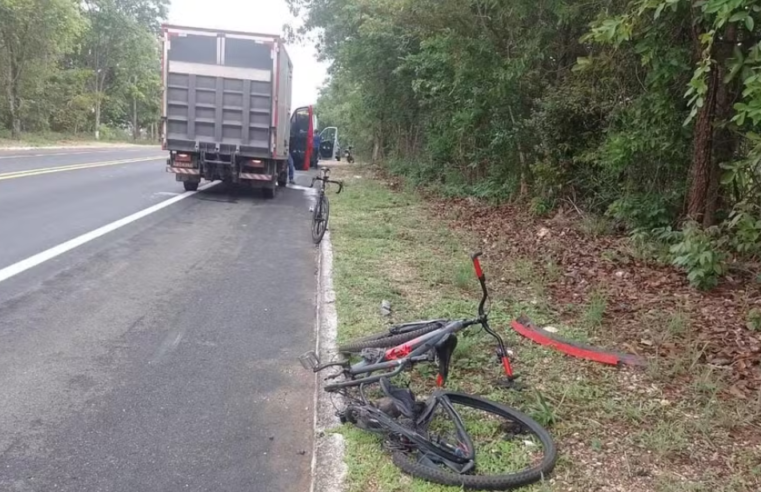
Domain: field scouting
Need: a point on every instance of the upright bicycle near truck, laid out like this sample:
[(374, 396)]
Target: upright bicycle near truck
[(321, 210)]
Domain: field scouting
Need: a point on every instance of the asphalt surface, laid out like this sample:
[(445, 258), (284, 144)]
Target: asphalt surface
[(161, 356)]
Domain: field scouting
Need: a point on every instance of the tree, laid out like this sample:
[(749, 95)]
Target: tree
[(33, 34), (644, 110), (118, 28)]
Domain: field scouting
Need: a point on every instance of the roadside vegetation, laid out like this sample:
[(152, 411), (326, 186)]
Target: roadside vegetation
[(643, 112), (612, 147), (681, 424), (77, 70)]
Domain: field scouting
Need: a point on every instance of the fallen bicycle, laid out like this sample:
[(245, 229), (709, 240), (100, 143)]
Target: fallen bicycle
[(421, 444)]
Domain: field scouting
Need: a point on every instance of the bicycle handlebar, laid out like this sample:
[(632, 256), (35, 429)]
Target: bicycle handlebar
[(481, 280), (326, 180)]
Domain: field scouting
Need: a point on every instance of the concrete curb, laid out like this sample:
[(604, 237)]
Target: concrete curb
[(328, 467)]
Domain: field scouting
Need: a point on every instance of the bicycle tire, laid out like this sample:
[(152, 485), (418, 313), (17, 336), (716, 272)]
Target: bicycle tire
[(384, 340), (407, 463), (320, 219)]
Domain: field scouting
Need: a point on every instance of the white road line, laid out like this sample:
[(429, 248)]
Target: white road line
[(33, 261)]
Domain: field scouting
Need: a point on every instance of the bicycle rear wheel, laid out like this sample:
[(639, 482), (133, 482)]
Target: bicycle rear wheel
[(320, 219), (534, 458), (390, 339)]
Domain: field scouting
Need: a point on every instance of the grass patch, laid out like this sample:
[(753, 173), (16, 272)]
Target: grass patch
[(43, 139), (594, 313), (616, 429)]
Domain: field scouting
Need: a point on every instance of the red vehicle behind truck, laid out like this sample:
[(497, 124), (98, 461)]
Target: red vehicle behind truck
[(226, 105)]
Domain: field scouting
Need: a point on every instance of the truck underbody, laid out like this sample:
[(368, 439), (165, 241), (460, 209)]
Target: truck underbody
[(234, 168)]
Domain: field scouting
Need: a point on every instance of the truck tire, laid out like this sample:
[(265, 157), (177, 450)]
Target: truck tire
[(282, 178), (190, 185)]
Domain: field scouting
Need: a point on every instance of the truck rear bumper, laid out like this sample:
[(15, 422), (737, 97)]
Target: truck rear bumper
[(256, 177), (183, 170)]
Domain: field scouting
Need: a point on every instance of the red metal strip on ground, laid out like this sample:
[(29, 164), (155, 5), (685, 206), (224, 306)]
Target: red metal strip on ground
[(542, 337)]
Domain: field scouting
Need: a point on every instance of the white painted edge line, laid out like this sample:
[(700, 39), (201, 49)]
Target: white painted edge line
[(328, 467), (49, 254)]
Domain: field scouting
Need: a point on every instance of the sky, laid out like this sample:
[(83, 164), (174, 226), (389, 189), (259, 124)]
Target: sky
[(263, 16)]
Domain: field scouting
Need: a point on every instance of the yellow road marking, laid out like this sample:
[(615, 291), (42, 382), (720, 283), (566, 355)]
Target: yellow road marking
[(73, 167)]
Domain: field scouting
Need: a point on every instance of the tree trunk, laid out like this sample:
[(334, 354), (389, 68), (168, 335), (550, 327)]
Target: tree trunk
[(14, 114), (135, 131), (524, 174), (13, 100), (702, 141), (98, 94), (724, 144), (97, 118), (376, 148)]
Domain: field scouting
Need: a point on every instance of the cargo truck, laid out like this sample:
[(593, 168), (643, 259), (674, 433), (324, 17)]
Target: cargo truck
[(226, 107)]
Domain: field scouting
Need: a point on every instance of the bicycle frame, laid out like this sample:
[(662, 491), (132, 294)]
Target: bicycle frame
[(394, 360)]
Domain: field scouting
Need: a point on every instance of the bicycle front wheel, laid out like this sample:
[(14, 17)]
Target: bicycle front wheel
[(512, 450), (320, 218)]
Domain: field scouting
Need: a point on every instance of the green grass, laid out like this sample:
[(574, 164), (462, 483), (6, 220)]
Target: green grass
[(42, 139), (387, 245)]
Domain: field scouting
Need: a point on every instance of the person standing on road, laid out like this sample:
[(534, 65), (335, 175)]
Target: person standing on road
[(316, 143), (291, 169)]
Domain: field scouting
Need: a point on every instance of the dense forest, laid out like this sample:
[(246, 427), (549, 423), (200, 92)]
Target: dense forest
[(80, 66), (645, 112)]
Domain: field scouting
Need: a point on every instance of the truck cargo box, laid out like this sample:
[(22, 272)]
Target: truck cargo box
[(226, 92)]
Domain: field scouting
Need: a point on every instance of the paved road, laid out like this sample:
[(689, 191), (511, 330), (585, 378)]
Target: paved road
[(160, 356)]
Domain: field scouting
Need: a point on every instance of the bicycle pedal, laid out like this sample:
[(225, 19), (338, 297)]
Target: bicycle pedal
[(309, 360)]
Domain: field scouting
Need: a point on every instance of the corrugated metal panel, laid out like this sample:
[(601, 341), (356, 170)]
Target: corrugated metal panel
[(218, 92)]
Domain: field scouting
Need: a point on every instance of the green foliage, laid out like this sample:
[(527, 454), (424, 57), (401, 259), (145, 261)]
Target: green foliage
[(67, 66), (697, 254), (743, 230), (622, 108), (754, 319), (641, 212)]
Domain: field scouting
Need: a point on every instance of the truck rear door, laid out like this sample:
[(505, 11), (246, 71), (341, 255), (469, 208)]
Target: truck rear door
[(219, 91)]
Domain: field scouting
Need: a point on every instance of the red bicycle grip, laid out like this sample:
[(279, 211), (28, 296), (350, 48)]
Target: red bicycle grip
[(506, 365), (477, 266)]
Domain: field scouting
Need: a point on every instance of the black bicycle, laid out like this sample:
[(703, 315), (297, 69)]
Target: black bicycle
[(404, 345), (321, 210), (433, 440)]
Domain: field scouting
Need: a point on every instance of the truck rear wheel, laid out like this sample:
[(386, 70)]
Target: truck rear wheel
[(190, 185), (282, 178)]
